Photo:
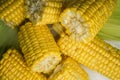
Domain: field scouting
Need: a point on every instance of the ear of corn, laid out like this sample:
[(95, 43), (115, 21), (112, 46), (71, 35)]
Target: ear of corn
[(59, 31), (91, 56), (84, 18), (39, 47), (96, 55), (43, 11), (102, 45), (12, 12), (12, 67), (69, 70)]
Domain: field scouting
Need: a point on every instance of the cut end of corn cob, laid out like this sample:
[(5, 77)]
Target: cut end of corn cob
[(43, 11), (75, 26), (69, 70), (83, 19), (33, 9), (46, 63), (39, 47)]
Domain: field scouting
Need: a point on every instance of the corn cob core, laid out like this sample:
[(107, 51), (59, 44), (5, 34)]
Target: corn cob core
[(13, 67), (68, 70), (39, 47), (12, 12), (43, 11), (91, 56), (84, 18)]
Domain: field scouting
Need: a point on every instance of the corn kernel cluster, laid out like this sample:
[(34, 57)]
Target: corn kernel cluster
[(12, 12), (55, 36)]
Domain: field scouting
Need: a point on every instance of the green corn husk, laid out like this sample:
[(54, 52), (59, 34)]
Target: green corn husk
[(8, 37), (111, 29)]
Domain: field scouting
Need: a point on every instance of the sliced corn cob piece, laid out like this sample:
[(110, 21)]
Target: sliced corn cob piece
[(39, 47), (12, 12), (43, 11), (69, 70), (13, 67), (91, 56), (84, 18)]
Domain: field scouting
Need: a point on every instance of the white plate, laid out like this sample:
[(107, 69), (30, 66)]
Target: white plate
[(93, 75)]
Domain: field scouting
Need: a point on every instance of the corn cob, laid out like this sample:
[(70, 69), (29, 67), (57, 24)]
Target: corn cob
[(43, 11), (12, 12), (39, 48), (91, 56), (69, 70), (12, 67), (84, 18), (105, 47), (59, 30)]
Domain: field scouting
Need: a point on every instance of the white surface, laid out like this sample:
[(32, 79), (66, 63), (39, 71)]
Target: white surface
[(93, 75), (114, 43)]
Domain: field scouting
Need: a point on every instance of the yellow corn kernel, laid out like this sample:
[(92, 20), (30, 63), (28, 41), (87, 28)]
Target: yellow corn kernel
[(39, 47), (12, 12), (91, 56), (84, 18), (13, 67), (43, 11), (69, 70)]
